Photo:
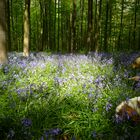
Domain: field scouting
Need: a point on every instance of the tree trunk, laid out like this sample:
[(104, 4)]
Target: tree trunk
[(58, 41), (8, 25), (98, 25), (106, 27), (3, 52), (26, 39), (139, 39), (110, 25), (121, 27), (135, 23), (54, 28), (129, 35), (97, 47), (44, 25), (70, 29), (74, 26), (90, 25), (81, 25)]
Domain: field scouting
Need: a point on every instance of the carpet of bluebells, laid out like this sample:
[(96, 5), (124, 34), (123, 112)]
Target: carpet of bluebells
[(66, 97)]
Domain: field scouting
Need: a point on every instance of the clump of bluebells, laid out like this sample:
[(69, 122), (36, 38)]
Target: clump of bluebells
[(69, 96)]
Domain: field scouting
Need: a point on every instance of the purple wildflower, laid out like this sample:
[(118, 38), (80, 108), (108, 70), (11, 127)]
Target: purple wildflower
[(99, 82), (90, 95), (5, 70), (118, 119), (73, 138), (53, 132), (42, 138), (56, 131), (22, 64), (94, 109), (19, 91), (26, 122), (94, 134), (108, 107)]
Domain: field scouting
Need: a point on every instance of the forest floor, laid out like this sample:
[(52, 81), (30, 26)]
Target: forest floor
[(66, 97)]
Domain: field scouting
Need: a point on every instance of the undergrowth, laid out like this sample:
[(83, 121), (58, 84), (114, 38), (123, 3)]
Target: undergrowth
[(70, 97)]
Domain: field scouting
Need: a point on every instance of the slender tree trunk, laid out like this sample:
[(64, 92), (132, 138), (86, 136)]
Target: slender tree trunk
[(74, 26), (81, 36), (106, 27), (129, 34), (55, 28), (37, 36), (26, 39), (68, 32), (3, 50), (90, 25), (97, 36), (121, 27), (139, 38), (110, 25), (15, 21), (12, 25), (62, 27), (58, 36), (70, 29), (49, 27), (96, 32), (135, 24), (41, 47), (8, 25), (44, 26)]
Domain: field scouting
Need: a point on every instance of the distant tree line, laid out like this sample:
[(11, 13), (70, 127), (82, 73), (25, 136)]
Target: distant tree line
[(69, 26)]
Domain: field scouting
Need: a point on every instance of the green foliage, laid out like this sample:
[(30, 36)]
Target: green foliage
[(75, 94)]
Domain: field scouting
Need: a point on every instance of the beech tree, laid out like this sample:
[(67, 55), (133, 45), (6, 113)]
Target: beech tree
[(90, 25), (26, 39), (3, 34)]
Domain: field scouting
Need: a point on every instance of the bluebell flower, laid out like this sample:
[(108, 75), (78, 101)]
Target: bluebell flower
[(73, 138), (126, 74), (94, 109), (11, 134), (99, 82), (94, 134), (84, 85), (42, 138), (19, 91), (127, 99), (118, 119), (22, 64), (108, 107), (5, 69), (53, 132), (33, 64), (26, 122), (90, 95)]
